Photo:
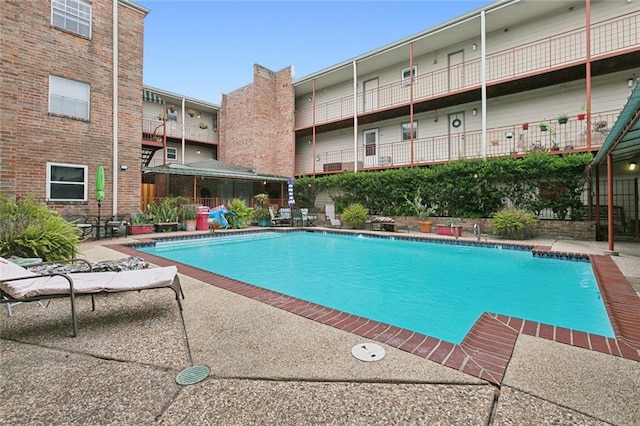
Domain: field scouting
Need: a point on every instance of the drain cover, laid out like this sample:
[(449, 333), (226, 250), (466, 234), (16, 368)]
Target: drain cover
[(192, 375), (368, 352)]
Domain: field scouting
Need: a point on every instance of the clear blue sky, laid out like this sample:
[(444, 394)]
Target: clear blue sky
[(205, 48)]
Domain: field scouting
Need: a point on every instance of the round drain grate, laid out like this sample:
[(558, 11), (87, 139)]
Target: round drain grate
[(368, 352), (192, 375)]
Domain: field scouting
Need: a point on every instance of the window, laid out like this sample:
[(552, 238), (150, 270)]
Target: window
[(406, 131), (72, 15), (407, 73), (66, 182), (172, 153), (68, 97)]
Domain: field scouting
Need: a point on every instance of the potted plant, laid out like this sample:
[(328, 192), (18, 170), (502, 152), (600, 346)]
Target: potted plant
[(544, 127), (583, 113), (449, 228), (554, 145), (188, 214), (262, 216), (203, 125), (509, 134), (562, 119), (171, 107), (191, 112), (495, 142), (141, 223), (423, 212), (525, 126), (165, 214), (261, 198)]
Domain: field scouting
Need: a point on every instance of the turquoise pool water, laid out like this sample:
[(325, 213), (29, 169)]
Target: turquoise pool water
[(436, 289)]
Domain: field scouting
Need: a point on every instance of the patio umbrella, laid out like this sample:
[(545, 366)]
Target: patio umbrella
[(99, 193), (292, 201)]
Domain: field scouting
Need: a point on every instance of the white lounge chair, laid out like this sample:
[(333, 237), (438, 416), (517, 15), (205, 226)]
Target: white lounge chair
[(330, 215), (18, 284)]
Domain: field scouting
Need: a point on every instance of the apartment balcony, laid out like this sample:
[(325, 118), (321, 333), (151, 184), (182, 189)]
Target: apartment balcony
[(615, 46), (516, 140), (153, 128)]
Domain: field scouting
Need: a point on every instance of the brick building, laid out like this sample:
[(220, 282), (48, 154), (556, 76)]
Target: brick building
[(61, 115)]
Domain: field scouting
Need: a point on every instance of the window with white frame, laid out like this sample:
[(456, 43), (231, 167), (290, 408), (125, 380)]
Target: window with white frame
[(406, 130), (72, 15), (407, 73), (68, 97), (66, 182), (172, 153)]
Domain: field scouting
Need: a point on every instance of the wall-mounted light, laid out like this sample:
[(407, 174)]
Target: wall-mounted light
[(317, 158), (474, 47), (630, 83), (123, 167), (632, 165), (474, 111), (309, 99), (198, 152), (309, 141)]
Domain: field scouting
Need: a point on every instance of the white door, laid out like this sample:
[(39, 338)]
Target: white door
[(370, 138), (456, 136), (456, 71), (370, 96)]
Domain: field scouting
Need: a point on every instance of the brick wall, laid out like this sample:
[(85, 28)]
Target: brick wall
[(256, 123), (32, 51)]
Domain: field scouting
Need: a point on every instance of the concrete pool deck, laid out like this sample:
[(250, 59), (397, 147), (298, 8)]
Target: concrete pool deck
[(270, 366)]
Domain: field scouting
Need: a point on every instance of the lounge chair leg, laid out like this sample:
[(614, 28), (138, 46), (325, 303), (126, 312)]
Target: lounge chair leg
[(93, 303), (74, 319)]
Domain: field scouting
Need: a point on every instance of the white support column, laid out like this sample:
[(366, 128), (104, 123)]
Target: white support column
[(355, 117), (115, 165)]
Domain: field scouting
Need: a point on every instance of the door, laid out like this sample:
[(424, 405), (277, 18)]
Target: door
[(456, 71), (370, 138), (370, 96), (456, 136)]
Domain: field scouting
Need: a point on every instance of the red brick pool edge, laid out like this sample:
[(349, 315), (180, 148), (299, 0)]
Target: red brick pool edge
[(486, 350)]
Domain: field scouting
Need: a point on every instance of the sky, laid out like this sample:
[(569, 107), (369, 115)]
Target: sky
[(205, 48)]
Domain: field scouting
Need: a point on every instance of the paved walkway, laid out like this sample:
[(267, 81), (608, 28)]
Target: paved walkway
[(269, 366)]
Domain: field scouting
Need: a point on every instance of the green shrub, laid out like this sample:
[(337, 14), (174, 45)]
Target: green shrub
[(354, 216), (30, 229), (514, 223), (166, 211), (188, 212), (243, 214)]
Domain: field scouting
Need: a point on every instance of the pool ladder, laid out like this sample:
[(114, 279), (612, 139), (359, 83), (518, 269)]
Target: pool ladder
[(478, 232)]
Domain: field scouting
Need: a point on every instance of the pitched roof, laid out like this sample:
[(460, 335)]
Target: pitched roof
[(215, 169)]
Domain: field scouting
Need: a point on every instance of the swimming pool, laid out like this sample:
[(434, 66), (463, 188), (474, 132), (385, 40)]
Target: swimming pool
[(438, 290)]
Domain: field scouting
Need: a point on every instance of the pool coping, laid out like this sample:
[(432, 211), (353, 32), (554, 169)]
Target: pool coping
[(486, 350)]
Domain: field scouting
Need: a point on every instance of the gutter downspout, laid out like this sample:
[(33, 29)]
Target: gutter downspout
[(355, 117), (183, 130), (588, 70), (483, 77), (313, 128), (114, 130)]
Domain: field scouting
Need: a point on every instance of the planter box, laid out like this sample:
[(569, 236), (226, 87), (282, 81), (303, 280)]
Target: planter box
[(140, 229), (166, 227), (454, 231)]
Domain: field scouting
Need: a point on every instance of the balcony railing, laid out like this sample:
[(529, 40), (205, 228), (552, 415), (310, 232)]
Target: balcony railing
[(569, 137), (542, 55), (152, 127)]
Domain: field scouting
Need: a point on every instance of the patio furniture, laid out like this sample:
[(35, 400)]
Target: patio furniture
[(18, 284), (330, 215)]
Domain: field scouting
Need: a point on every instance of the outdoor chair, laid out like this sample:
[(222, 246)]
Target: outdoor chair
[(297, 217), (278, 220), (18, 284), (84, 226), (115, 226), (312, 216), (330, 215)]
